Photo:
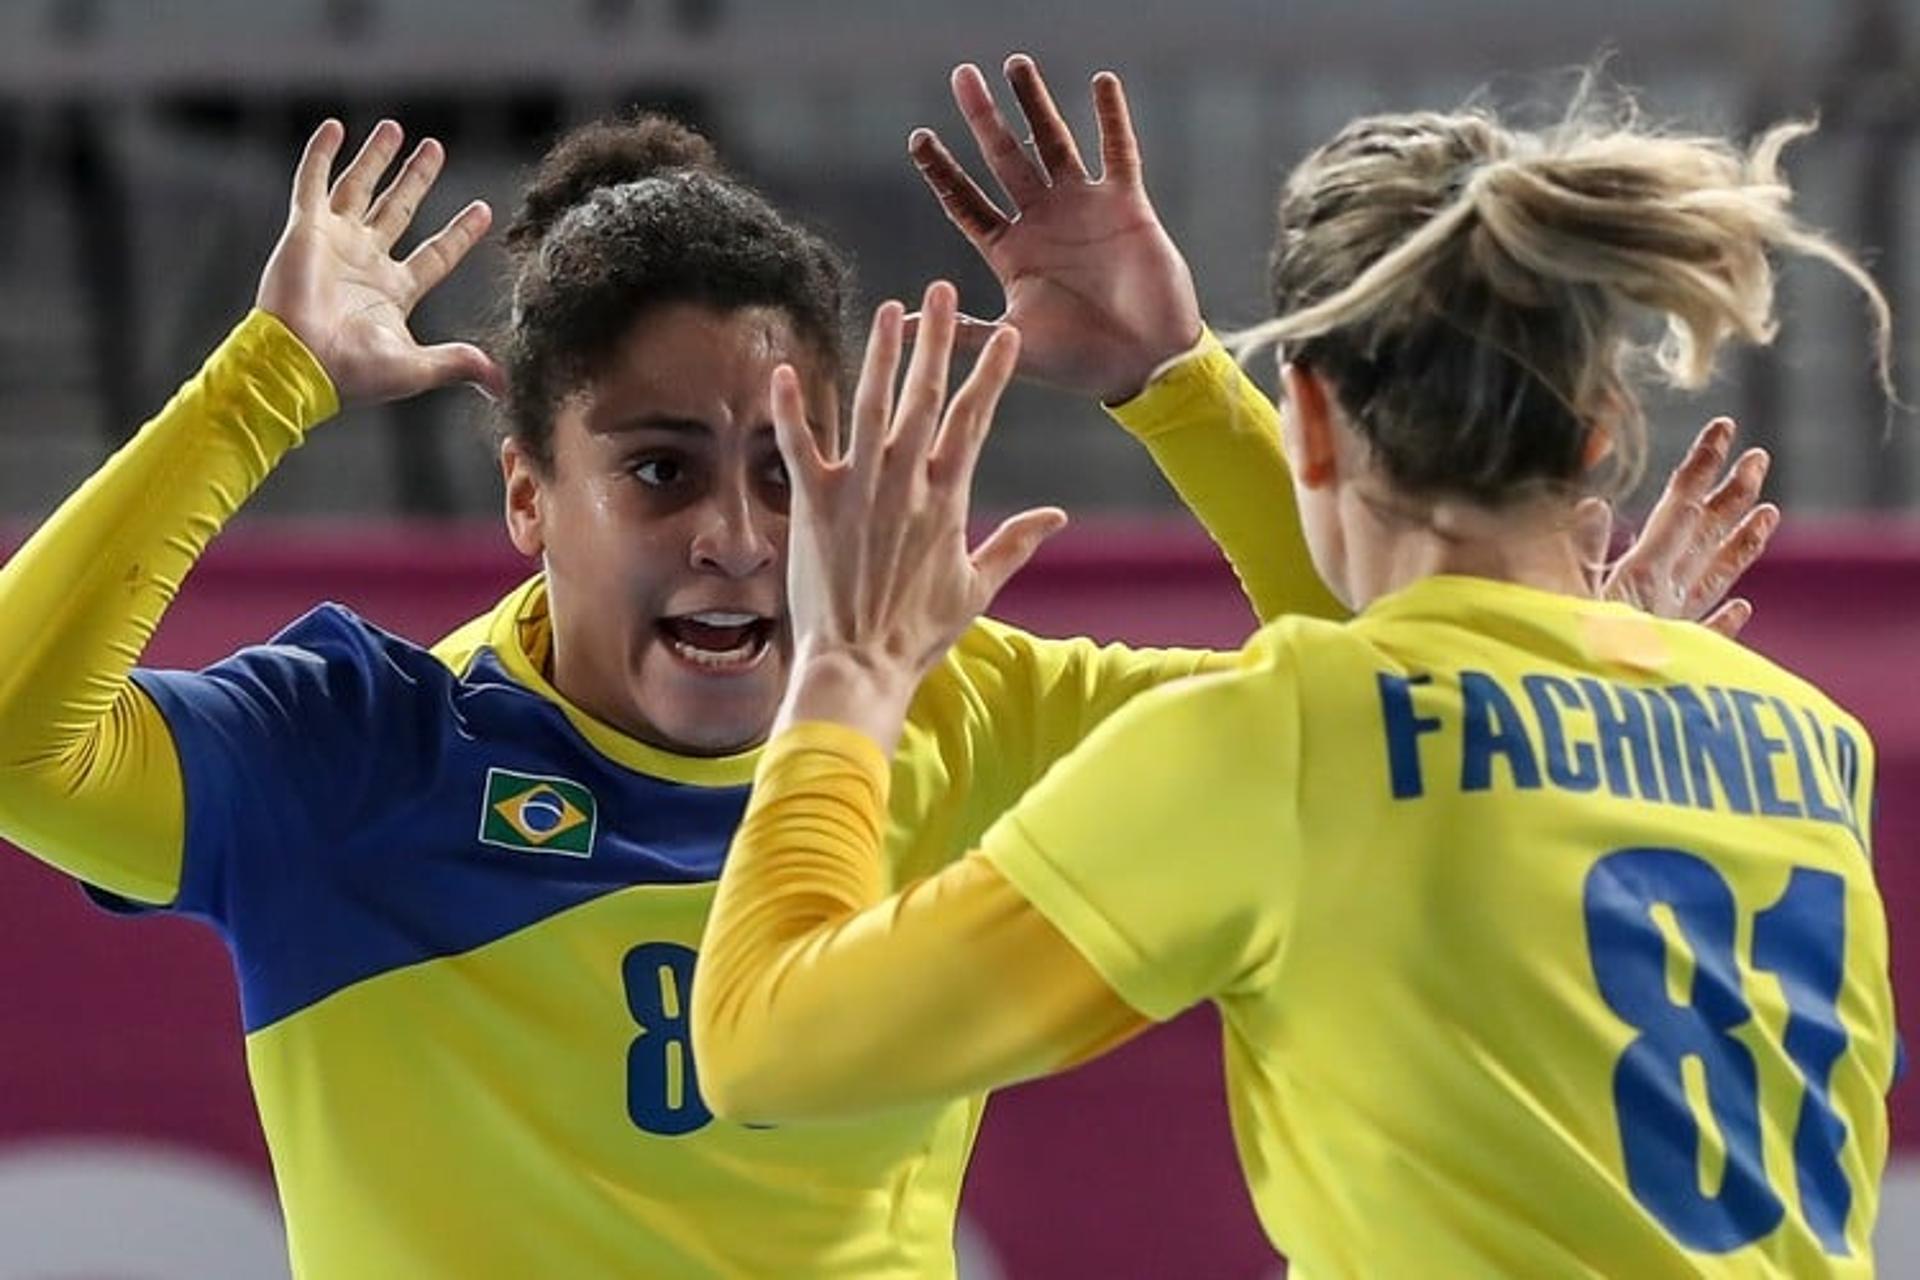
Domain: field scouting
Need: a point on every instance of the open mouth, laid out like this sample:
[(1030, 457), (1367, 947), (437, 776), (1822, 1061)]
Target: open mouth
[(718, 641)]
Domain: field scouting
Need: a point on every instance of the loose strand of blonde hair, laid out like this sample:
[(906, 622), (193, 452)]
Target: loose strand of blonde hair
[(1601, 219)]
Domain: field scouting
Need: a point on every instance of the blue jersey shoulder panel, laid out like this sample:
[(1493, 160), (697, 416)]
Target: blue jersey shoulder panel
[(353, 806)]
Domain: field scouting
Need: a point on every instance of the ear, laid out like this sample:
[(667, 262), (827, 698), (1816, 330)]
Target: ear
[(1603, 431), (1308, 427), (1598, 446), (525, 486)]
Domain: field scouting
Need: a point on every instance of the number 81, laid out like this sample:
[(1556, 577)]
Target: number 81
[(1802, 940)]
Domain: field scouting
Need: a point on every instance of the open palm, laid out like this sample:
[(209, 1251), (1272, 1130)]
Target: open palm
[(333, 280), (1093, 282), (1700, 538), (881, 579)]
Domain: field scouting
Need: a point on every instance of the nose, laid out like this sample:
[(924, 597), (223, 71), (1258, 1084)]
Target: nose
[(734, 536)]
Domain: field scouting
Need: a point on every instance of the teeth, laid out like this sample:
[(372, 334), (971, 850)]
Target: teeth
[(722, 618), (718, 659)]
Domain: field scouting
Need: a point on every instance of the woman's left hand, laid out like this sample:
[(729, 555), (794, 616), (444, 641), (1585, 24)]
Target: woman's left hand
[(880, 579), (1700, 538), (1097, 288)]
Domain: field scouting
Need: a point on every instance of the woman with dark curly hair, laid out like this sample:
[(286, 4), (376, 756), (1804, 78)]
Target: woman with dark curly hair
[(463, 885)]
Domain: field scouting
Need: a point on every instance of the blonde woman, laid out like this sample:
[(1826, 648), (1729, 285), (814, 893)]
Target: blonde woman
[(1543, 931)]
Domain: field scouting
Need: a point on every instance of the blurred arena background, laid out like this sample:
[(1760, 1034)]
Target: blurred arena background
[(145, 147)]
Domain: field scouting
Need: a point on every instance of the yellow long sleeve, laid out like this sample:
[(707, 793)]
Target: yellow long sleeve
[(89, 778), (1007, 705), (954, 986), (1216, 437)]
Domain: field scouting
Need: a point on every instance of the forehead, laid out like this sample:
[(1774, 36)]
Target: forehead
[(697, 361)]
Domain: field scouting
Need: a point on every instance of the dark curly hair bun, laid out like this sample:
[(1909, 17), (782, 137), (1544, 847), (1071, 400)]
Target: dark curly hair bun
[(607, 153), (628, 216)]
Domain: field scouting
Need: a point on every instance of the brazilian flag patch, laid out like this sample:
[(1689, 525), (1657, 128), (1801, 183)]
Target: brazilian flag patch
[(532, 814)]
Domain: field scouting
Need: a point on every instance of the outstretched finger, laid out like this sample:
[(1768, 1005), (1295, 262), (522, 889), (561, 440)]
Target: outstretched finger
[(1052, 140), (455, 362), (1119, 148), (873, 397), (1731, 618), (1016, 171), (316, 162), (1592, 528), (1736, 494), (923, 392), (960, 197), (393, 212), (354, 189), (798, 446), (970, 416), (1676, 519), (1009, 547), (441, 252), (1730, 560)]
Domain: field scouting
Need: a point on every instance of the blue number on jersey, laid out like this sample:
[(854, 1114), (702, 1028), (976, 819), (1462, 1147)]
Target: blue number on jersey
[(663, 1093), (1802, 939)]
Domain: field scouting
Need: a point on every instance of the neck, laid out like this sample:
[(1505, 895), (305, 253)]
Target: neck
[(1393, 544)]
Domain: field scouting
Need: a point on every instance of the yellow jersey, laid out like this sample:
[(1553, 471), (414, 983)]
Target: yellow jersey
[(463, 913), (466, 1004), (1544, 934)]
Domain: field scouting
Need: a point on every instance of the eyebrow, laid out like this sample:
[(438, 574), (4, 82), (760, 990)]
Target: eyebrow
[(655, 422)]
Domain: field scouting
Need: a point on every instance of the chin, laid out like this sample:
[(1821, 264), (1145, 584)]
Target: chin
[(711, 717), (717, 735)]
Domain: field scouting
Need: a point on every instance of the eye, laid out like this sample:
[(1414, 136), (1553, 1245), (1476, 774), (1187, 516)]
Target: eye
[(656, 472), (775, 471)]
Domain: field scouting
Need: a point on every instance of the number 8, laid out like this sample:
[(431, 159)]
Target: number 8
[(1802, 939), (663, 1093)]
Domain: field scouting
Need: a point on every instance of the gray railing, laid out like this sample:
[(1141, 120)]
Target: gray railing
[(144, 149)]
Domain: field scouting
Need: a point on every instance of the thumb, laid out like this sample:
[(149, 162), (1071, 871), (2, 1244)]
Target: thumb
[(1008, 548), (452, 362), (1592, 533)]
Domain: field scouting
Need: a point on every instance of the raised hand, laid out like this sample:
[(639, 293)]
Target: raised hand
[(880, 581), (1095, 286), (334, 281), (1701, 537)]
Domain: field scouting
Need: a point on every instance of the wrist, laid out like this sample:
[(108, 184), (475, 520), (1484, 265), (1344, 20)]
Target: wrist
[(286, 378), (1154, 362), (856, 688)]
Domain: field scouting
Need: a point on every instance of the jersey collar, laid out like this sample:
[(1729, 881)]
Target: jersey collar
[(520, 633)]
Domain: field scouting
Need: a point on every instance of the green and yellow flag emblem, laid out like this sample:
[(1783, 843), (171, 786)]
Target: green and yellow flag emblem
[(537, 815)]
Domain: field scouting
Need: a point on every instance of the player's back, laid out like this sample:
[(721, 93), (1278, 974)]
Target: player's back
[(1584, 971)]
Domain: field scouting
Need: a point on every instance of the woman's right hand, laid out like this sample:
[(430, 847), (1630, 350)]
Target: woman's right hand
[(334, 281), (881, 580), (1094, 284)]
